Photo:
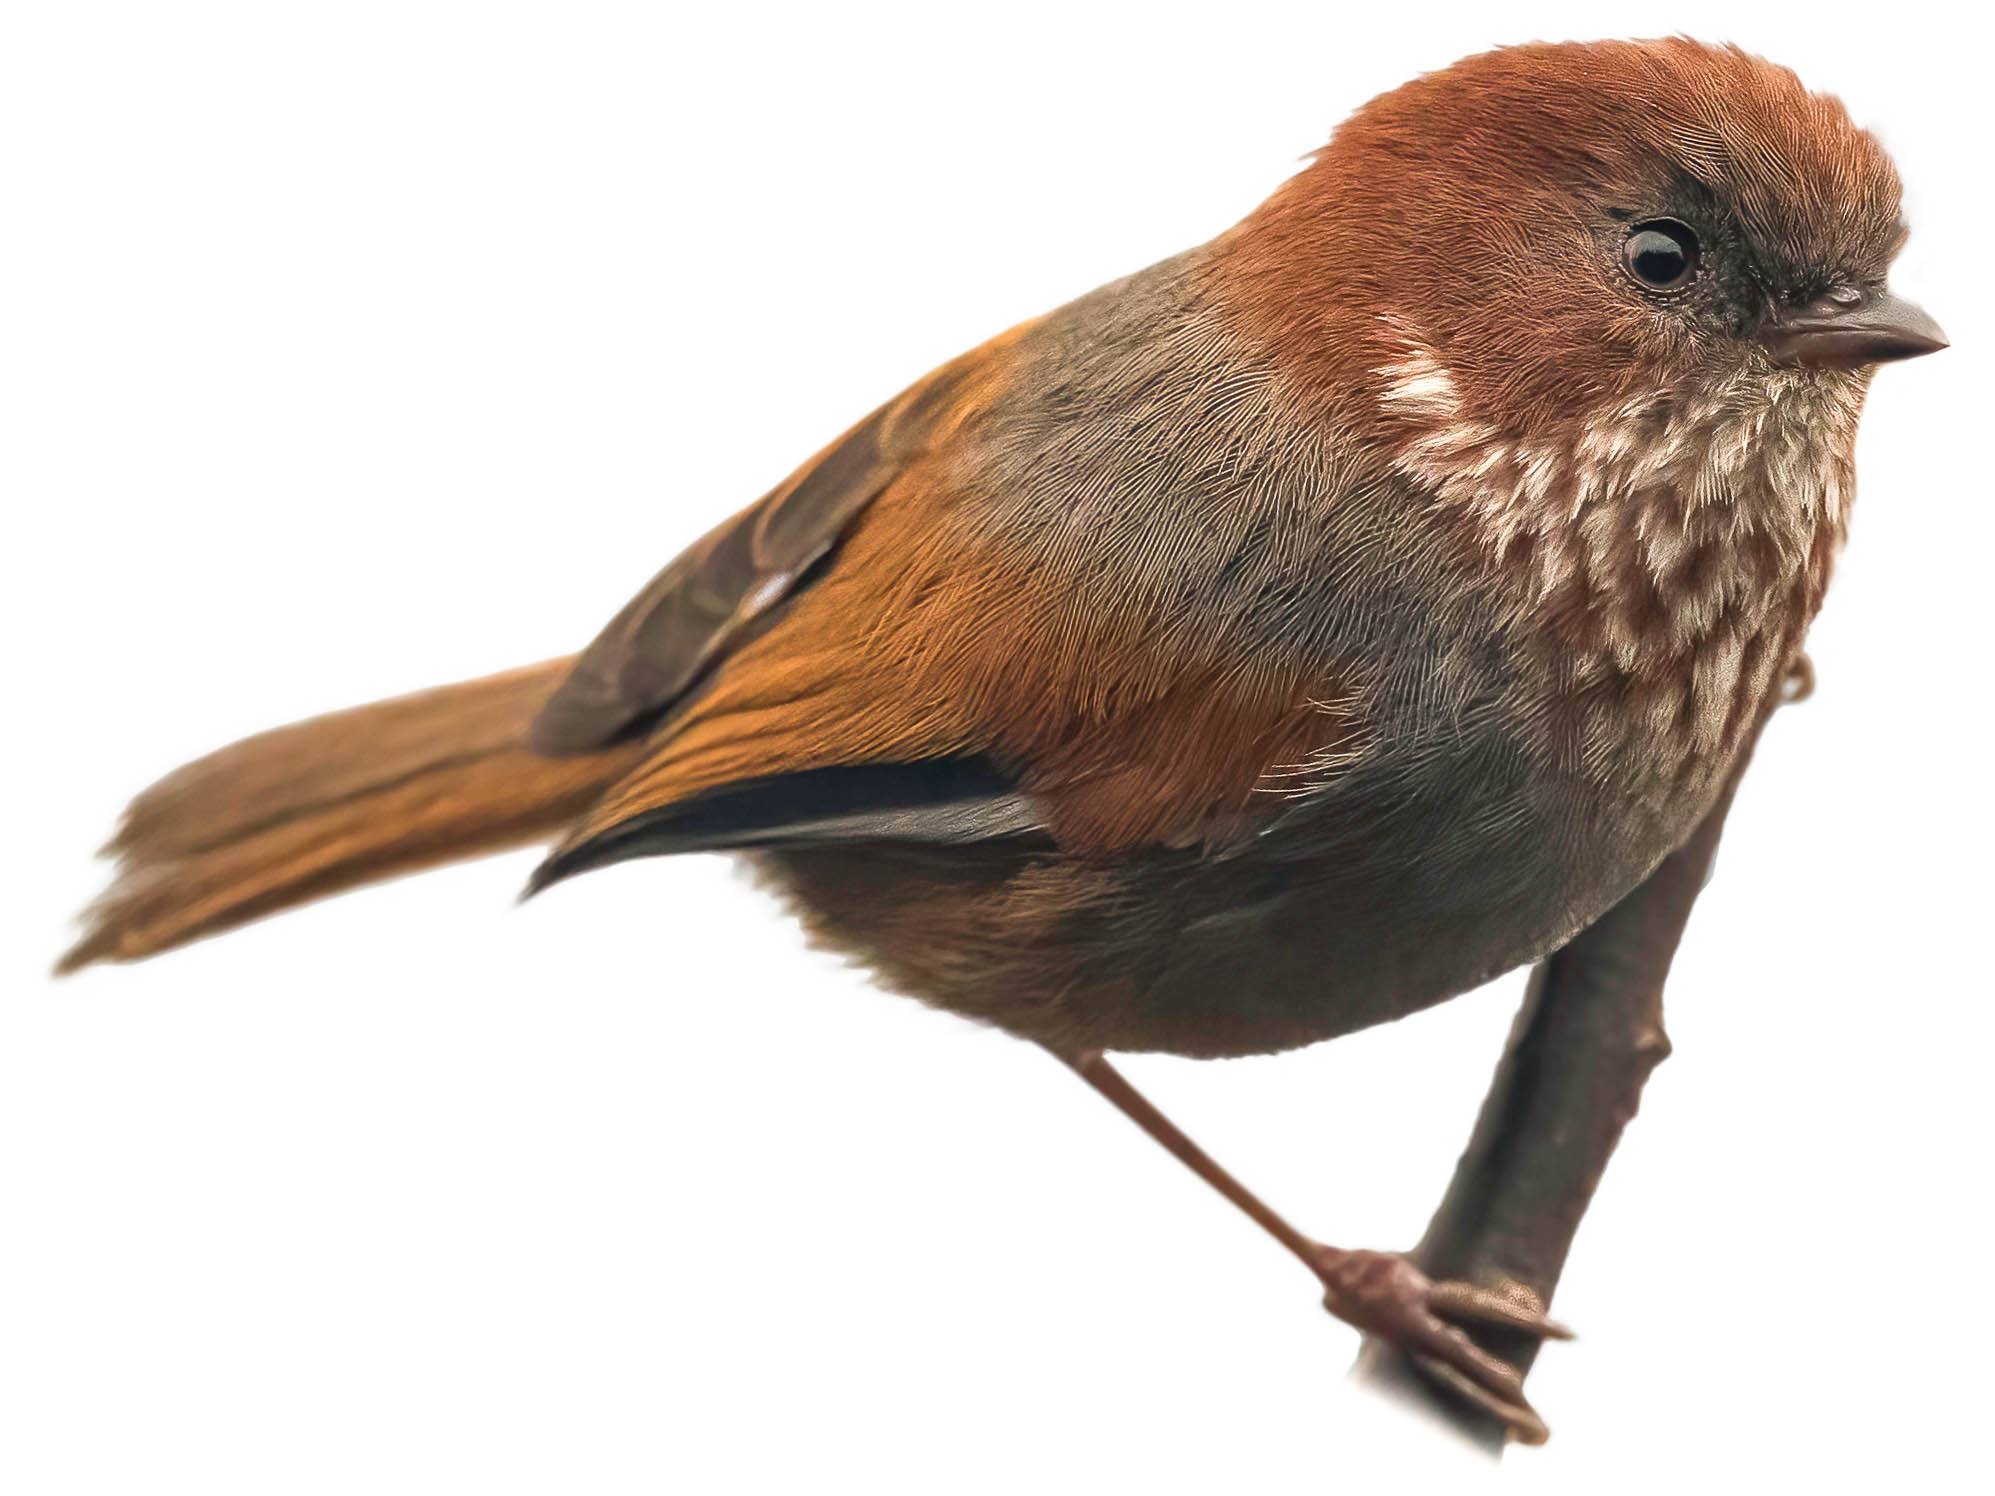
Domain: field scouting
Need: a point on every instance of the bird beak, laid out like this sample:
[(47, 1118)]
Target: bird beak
[(1848, 329)]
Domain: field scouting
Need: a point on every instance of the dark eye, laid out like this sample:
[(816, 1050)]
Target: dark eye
[(1661, 254)]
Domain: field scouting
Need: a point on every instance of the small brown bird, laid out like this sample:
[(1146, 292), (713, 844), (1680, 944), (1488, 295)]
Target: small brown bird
[(1280, 640)]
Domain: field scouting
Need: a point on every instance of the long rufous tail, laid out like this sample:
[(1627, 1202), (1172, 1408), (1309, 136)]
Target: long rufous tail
[(327, 804)]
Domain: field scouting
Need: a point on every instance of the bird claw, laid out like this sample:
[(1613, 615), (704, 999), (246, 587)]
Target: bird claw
[(1797, 684), (1387, 1297)]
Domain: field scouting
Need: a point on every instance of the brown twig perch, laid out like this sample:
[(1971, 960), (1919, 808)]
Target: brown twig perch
[(1588, 1036)]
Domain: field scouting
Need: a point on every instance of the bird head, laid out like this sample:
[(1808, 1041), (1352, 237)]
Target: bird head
[(1542, 235)]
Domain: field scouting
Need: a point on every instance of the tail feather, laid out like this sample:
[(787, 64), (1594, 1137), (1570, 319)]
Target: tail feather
[(334, 802)]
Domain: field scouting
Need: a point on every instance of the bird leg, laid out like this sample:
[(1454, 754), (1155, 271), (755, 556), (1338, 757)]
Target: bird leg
[(1382, 1294)]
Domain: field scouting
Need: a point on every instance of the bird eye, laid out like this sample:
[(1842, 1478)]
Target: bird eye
[(1661, 254)]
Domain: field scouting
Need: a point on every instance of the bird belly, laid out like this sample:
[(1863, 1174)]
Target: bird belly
[(1337, 919)]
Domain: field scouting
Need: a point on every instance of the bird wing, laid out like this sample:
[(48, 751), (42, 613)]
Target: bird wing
[(647, 670), (882, 650), (717, 592)]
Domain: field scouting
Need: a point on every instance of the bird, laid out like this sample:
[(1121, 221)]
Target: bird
[(1277, 641)]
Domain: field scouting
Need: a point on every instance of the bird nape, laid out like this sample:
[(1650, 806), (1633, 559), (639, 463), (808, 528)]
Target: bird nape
[(1282, 639)]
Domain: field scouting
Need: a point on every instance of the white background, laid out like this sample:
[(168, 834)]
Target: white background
[(350, 349)]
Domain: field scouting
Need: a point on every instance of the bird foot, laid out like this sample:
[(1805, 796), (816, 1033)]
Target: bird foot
[(1387, 1297)]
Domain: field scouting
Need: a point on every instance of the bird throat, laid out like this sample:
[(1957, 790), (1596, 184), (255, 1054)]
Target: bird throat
[(1663, 556)]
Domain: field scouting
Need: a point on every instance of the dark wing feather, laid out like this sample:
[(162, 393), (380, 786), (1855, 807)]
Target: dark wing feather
[(940, 801), (709, 600)]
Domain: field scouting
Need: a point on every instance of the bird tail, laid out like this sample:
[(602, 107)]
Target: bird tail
[(334, 802)]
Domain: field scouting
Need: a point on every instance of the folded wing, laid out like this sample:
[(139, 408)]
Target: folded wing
[(973, 617)]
